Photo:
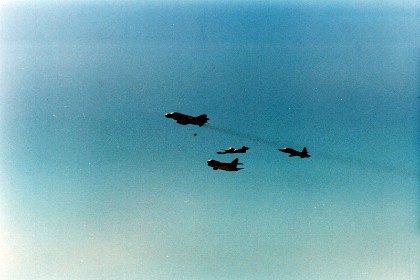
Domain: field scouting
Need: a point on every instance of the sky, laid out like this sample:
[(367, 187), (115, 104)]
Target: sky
[(95, 183), (355, 3)]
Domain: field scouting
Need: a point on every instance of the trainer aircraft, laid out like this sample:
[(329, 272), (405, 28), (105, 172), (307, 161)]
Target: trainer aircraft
[(294, 153)]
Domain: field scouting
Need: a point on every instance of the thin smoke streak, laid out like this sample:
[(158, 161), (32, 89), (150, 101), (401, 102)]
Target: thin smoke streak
[(370, 165), (243, 135), (340, 159)]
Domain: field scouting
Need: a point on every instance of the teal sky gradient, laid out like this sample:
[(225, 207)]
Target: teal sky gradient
[(97, 184)]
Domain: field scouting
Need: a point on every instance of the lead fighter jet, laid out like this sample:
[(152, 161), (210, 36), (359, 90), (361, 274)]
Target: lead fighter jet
[(227, 166), (294, 153), (185, 119), (231, 150)]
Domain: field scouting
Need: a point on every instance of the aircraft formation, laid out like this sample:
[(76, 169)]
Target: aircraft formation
[(227, 166)]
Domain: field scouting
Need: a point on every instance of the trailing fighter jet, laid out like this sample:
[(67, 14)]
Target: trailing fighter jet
[(227, 166), (231, 150), (294, 153), (185, 119)]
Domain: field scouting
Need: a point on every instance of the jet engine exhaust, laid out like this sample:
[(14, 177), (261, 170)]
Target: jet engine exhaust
[(371, 165), (374, 166), (242, 135)]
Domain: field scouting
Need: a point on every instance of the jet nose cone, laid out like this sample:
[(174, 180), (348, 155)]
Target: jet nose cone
[(168, 115)]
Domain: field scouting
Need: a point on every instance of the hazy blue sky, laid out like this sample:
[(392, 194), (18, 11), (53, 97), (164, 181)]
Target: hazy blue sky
[(95, 183)]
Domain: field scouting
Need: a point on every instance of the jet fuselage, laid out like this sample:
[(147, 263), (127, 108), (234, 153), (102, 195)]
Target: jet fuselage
[(186, 119), (294, 153), (227, 166)]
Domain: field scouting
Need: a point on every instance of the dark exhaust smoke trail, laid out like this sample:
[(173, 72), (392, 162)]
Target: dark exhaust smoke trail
[(243, 135), (337, 158), (370, 165)]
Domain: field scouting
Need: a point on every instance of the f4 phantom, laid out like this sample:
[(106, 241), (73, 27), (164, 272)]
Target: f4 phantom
[(294, 153), (185, 119), (227, 166), (231, 150)]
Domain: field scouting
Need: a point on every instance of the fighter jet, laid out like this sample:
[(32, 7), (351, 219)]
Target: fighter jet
[(185, 119), (227, 166), (294, 153), (231, 150)]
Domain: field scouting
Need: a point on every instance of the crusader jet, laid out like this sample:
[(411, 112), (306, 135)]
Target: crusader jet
[(294, 153), (185, 119), (227, 166), (231, 150)]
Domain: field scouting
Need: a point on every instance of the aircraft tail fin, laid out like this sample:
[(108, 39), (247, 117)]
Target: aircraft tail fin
[(202, 119), (236, 161), (305, 153)]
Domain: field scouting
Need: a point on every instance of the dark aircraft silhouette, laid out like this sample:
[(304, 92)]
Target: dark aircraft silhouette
[(185, 119), (227, 166), (294, 153), (231, 150)]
